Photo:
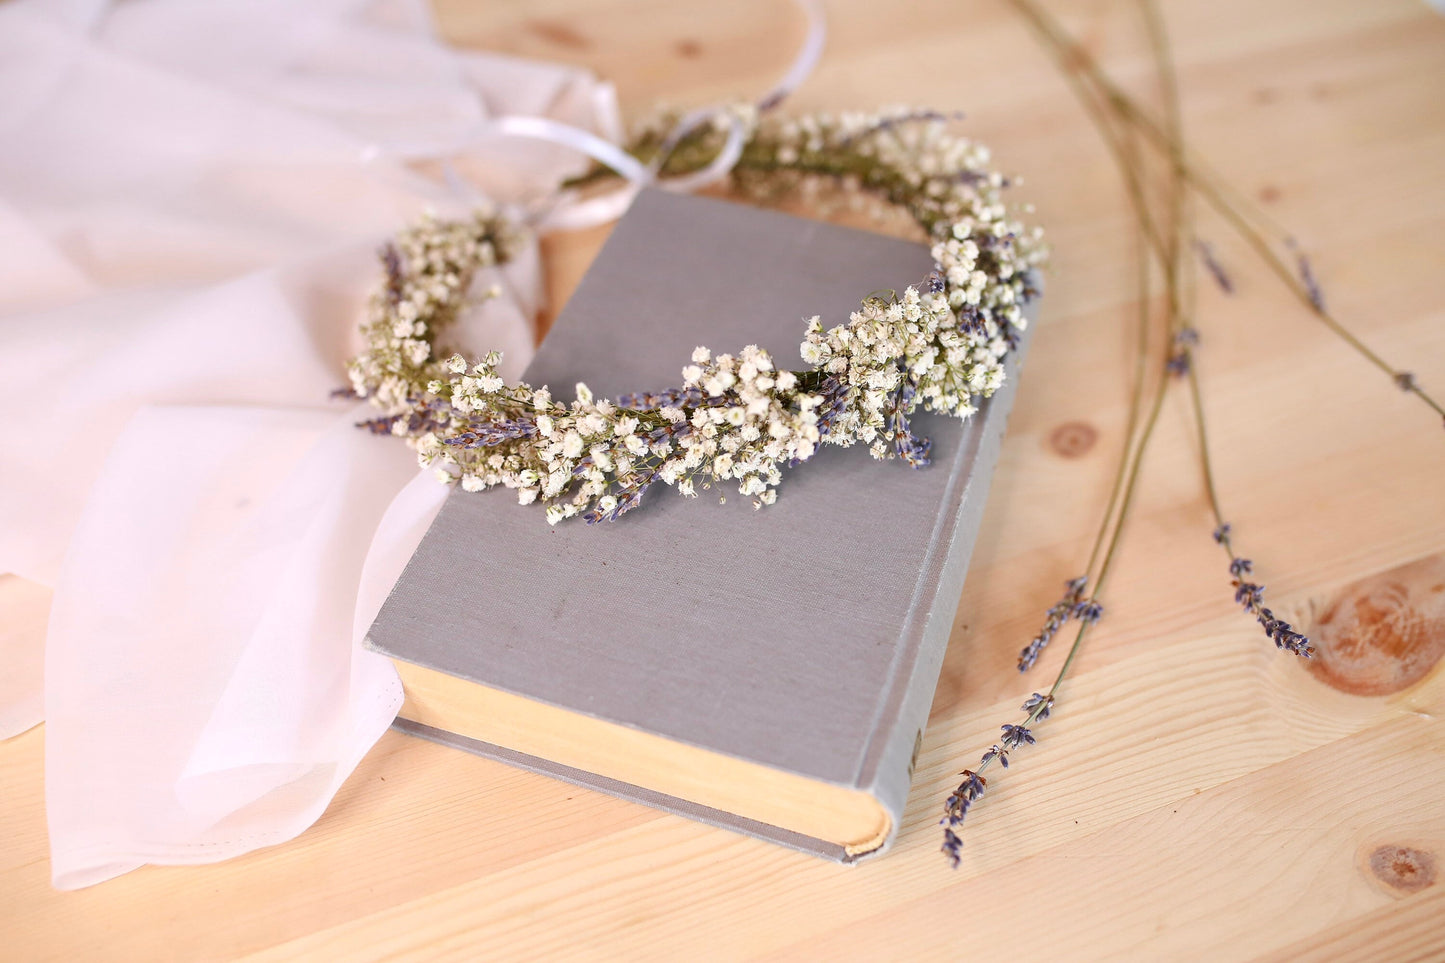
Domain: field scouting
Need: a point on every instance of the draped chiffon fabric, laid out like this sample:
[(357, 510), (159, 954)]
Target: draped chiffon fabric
[(191, 200)]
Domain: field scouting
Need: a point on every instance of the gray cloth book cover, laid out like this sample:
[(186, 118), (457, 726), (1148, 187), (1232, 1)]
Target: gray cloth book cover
[(806, 636)]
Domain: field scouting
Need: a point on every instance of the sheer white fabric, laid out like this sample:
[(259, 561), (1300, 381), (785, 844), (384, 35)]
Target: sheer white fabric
[(191, 196)]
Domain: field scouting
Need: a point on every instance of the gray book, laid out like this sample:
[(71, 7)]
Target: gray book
[(769, 671)]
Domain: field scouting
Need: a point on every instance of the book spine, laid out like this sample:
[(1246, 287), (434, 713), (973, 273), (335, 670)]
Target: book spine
[(889, 773)]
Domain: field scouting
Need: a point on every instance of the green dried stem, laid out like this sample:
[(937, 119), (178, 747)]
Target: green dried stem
[(1247, 219)]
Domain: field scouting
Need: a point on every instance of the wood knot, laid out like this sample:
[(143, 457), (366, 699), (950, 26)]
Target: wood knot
[(1384, 633), (1403, 868), (1269, 193), (688, 49), (1073, 439)]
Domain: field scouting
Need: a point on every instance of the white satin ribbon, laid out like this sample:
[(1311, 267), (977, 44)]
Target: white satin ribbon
[(569, 212)]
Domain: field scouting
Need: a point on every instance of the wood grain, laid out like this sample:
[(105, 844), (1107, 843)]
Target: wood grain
[(1196, 794)]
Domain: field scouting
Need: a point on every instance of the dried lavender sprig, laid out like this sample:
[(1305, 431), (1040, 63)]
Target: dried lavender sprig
[(1038, 706), (395, 273), (1057, 615), (1307, 277), (971, 788), (1250, 595), (1216, 269), (911, 117), (1182, 355), (1186, 339), (916, 450), (1123, 144)]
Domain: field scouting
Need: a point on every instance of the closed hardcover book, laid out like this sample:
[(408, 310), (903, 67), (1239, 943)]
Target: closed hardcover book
[(768, 670)]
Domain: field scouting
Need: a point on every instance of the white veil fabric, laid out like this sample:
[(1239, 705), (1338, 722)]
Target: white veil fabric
[(191, 200)]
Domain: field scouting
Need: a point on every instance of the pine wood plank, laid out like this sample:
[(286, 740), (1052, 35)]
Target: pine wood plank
[(1405, 933), (1236, 724), (1288, 849)]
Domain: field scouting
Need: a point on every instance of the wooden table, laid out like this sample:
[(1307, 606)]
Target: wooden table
[(1197, 794)]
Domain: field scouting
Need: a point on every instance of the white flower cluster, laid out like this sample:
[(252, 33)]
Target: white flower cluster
[(752, 420), (429, 269), (737, 418), (734, 419), (885, 344)]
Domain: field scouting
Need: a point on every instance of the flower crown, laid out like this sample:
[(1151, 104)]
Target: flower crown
[(735, 417)]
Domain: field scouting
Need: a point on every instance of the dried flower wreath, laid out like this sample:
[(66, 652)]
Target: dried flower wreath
[(734, 417)]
